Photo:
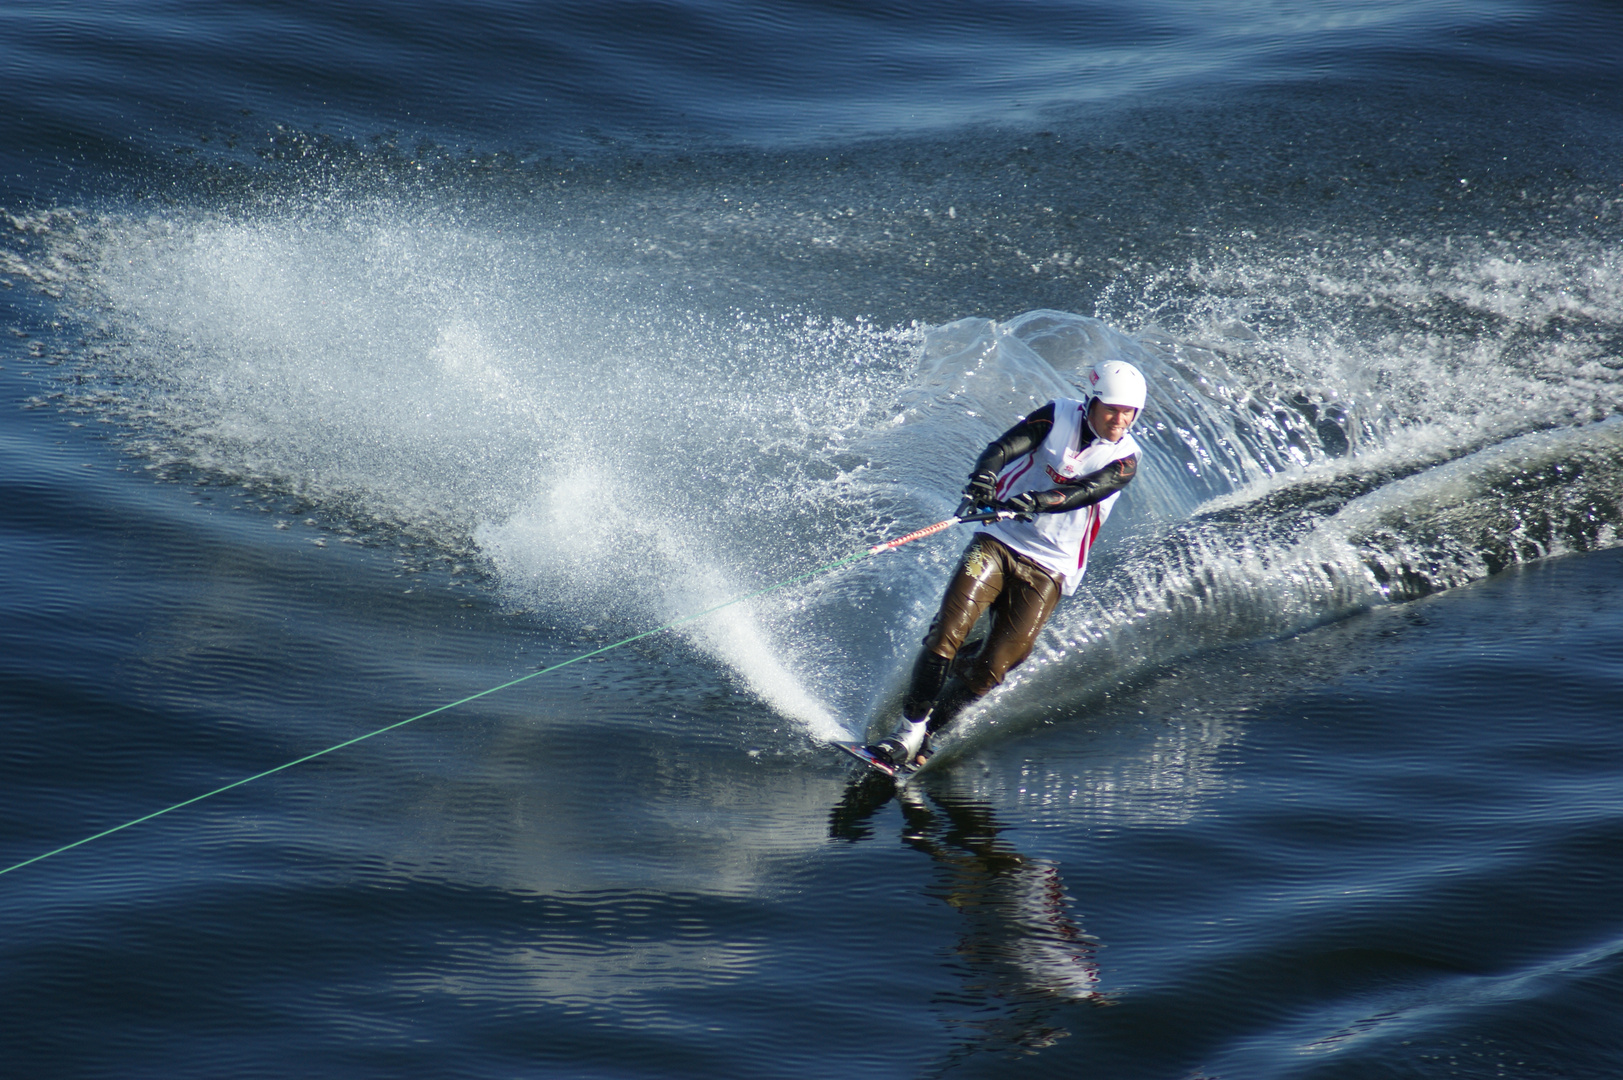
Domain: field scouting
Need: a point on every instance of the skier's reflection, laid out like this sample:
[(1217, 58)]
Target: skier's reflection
[(1022, 955)]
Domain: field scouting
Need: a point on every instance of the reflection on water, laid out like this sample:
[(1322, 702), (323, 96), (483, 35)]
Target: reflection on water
[(1020, 955)]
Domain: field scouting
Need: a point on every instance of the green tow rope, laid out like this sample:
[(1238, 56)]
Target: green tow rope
[(889, 545)]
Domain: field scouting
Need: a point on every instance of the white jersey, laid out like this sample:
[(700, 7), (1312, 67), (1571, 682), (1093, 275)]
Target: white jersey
[(1060, 542)]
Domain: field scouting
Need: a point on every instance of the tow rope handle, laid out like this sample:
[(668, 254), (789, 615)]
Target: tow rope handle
[(968, 512)]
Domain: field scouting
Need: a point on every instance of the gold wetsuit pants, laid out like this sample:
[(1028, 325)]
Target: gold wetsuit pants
[(1020, 595)]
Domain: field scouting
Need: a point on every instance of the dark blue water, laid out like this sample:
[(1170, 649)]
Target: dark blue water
[(358, 358)]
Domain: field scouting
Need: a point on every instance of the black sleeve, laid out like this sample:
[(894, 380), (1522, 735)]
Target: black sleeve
[(1018, 441), (1089, 489)]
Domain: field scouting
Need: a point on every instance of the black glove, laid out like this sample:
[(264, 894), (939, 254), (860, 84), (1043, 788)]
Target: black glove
[(1028, 503), (982, 487)]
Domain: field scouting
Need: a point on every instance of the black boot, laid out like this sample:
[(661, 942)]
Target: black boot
[(929, 676), (954, 700)]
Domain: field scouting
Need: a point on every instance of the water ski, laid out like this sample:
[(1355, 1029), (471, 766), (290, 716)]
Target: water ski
[(876, 762)]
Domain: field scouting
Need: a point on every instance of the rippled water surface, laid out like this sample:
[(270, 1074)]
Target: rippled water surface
[(361, 358)]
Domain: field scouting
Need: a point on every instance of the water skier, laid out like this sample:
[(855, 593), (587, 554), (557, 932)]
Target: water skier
[(1060, 469)]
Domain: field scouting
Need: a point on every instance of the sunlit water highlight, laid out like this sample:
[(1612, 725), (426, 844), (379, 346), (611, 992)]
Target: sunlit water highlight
[(609, 461), (450, 369)]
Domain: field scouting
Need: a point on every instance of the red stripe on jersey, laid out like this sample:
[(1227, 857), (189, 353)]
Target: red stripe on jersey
[(1087, 541), (1006, 482)]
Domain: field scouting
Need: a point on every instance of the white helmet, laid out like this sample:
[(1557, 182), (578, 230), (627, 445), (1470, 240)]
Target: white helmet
[(1116, 382)]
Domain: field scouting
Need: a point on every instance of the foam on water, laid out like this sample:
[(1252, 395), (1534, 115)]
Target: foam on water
[(1329, 428), (443, 379), (1465, 406)]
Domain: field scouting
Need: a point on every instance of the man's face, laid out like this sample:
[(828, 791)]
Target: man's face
[(1111, 421)]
